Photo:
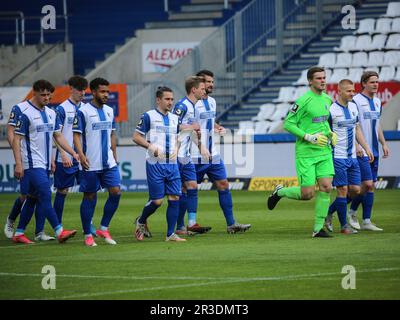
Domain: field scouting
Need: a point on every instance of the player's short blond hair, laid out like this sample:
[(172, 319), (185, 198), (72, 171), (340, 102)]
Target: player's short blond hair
[(343, 82)]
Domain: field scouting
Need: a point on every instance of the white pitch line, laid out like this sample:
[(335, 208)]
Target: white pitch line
[(221, 281)]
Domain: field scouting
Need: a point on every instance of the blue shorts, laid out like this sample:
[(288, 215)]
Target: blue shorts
[(187, 170), (93, 181), (65, 177), (347, 172), (369, 171), (163, 179), (32, 179), (214, 171)]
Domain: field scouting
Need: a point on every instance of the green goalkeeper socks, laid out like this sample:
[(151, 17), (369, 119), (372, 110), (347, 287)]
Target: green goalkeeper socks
[(291, 193), (321, 209)]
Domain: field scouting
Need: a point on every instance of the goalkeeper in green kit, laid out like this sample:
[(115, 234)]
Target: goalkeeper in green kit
[(308, 121)]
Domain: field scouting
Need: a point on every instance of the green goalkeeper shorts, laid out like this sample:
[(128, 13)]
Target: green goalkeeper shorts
[(311, 169)]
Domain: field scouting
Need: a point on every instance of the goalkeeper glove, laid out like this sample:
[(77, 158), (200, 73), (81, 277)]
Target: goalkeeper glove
[(333, 138), (318, 139)]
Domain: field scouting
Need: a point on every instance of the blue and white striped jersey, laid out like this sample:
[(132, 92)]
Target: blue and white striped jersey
[(184, 109), (369, 111), (66, 112), (16, 112), (205, 113), (96, 125), (343, 122), (37, 126), (160, 130)]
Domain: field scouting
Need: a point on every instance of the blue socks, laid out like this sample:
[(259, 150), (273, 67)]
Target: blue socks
[(59, 205), (148, 210), (109, 209), (87, 211), (182, 210), (367, 204), (356, 202), (225, 201), (172, 215), (341, 207), (192, 200), (26, 214), (16, 209)]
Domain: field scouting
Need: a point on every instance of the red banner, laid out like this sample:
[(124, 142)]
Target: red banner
[(386, 90)]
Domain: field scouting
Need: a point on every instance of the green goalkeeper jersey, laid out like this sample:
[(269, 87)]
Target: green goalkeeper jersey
[(309, 114)]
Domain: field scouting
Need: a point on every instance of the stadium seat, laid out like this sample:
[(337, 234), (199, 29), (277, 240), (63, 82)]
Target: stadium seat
[(327, 60), (393, 10), (347, 43), (328, 74), (392, 58), (280, 112), (383, 25), (261, 127), (338, 74), (355, 74), (397, 75), (375, 58), (393, 42), (378, 42), (343, 60), (395, 25), (299, 92), (245, 125), (366, 26), (376, 69), (360, 59), (266, 110), (387, 73), (276, 126), (363, 43), (285, 94), (302, 80)]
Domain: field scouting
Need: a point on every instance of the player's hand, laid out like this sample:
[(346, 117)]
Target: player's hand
[(317, 139), (333, 138), (205, 154), (84, 162), (18, 171), (153, 149), (359, 150), (220, 130), (385, 149), (370, 155), (76, 157), (53, 166), (66, 160)]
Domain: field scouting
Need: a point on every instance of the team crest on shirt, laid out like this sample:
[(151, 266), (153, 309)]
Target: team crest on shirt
[(294, 108), (178, 111), (75, 122)]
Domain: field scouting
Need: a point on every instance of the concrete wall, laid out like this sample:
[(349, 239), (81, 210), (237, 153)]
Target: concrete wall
[(125, 65), (56, 69), (13, 58), (56, 65), (391, 113)]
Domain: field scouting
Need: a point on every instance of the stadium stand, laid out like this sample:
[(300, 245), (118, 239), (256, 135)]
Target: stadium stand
[(374, 45), (96, 36)]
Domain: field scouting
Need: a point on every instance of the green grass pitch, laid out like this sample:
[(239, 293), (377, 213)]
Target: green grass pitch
[(276, 259)]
